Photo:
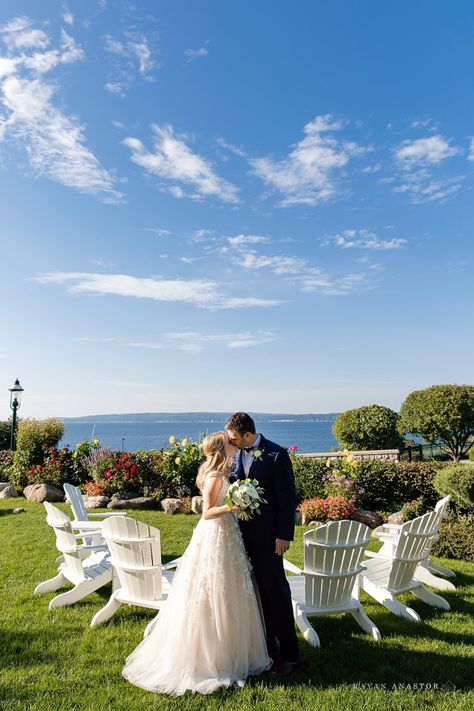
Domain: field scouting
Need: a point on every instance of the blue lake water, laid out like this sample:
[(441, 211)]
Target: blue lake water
[(309, 436)]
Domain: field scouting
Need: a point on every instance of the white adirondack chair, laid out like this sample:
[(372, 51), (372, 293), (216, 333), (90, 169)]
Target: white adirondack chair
[(427, 571), (328, 584), (386, 578), (81, 514), (87, 567), (136, 556)]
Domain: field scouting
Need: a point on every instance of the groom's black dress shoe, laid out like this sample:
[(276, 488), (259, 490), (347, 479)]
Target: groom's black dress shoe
[(284, 668)]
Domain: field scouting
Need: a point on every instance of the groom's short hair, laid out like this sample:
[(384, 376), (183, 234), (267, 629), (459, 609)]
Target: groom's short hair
[(241, 422)]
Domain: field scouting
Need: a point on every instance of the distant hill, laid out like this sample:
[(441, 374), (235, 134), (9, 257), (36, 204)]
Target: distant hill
[(201, 417)]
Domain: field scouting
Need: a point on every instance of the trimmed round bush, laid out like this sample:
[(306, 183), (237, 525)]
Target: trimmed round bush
[(456, 539), (368, 427), (458, 481)]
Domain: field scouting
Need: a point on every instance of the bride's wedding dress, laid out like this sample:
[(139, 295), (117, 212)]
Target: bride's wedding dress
[(210, 632)]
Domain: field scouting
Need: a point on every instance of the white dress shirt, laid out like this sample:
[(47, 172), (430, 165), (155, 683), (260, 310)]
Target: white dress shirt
[(247, 457)]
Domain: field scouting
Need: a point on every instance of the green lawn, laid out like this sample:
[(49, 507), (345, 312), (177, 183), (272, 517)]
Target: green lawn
[(54, 660)]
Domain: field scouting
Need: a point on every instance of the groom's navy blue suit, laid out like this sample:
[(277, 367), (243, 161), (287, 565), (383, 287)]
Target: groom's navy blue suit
[(274, 473)]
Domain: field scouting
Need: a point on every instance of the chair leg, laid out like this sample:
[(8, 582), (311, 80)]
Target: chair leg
[(106, 612), (425, 576), (385, 598), (59, 581), (440, 569), (307, 631), (365, 622), (430, 598)]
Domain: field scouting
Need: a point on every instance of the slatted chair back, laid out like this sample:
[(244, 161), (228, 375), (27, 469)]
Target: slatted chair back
[(136, 556), (332, 562), (66, 543), (413, 546), (75, 500)]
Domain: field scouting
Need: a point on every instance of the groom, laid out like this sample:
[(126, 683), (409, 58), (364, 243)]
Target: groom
[(268, 536)]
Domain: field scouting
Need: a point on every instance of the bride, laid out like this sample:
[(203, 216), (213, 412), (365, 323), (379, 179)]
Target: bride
[(210, 633)]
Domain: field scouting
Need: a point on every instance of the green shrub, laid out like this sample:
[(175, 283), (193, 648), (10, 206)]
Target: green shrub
[(413, 509), (309, 477), (458, 481), (388, 485), (456, 539), (181, 462), (471, 454), (58, 467), (6, 464), (33, 440), (368, 427), (5, 434)]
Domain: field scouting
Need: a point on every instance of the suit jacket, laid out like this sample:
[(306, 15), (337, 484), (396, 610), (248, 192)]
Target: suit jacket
[(274, 473)]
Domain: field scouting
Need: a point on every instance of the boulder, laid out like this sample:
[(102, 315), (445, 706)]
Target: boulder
[(172, 506), (196, 504), (8, 492), (42, 492), (96, 502), (372, 519), (125, 494), (139, 502), (4, 484), (298, 517)]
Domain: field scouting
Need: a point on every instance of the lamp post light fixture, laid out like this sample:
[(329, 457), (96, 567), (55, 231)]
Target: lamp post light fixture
[(15, 402)]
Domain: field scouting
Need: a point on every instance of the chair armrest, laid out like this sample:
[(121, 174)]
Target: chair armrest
[(171, 564), (109, 513), (291, 568)]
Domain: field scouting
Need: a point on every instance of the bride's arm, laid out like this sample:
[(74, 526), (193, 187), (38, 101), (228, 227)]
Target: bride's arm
[(209, 496)]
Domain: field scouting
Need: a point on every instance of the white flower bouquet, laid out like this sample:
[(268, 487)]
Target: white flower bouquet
[(247, 495)]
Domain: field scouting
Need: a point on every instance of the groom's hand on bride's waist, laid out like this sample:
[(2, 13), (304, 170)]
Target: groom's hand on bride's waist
[(281, 546)]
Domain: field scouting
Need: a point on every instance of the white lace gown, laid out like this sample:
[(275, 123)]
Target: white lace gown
[(210, 633)]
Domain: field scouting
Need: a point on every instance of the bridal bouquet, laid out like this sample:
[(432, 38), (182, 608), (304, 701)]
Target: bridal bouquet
[(247, 495)]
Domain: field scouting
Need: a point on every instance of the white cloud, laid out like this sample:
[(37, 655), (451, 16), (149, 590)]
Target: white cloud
[(364, 239), (171, 159), (242, 239), (19, 34), (194, 341), (471, 149), (134, 49), (67, 15), (308, 175), (203, 293), (424, 151), (422, 187), (192, 54), (229, 147), (158, 230), (54, 143), (316, 280)]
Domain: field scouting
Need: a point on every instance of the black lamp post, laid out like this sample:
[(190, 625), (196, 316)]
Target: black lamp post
[(15, 402)]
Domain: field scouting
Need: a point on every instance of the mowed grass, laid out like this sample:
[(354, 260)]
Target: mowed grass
[(54, 660)]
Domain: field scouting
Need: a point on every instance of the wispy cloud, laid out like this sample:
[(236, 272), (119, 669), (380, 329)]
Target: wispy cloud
[(194, 341), (471, 149), (416, 160), (192, 54), (67, 15), (308, 175), (135, 55), (173, 160), (203, 293), (364, 239), (299, 272), (424, 151), (55, 144)]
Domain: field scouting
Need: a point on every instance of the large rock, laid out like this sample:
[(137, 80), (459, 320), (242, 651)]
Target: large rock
[(196, 504), (96, 502), (125, 494), (4, 484), (8, 492), (396, 517), (298, 518), (372, 519), (172, 506), (139, 502), (42, 492)]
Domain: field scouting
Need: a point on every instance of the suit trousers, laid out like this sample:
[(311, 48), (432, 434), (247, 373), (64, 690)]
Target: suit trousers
[(275, 595)]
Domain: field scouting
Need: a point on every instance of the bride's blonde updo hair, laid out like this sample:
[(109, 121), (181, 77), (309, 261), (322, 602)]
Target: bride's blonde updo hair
[(217, 461)]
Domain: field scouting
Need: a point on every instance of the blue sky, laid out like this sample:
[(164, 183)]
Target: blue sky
[(220, 206)]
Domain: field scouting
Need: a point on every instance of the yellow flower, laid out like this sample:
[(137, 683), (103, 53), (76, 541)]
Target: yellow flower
[(328, 462), (184, 442), (177, 460), (172, 440), (95, 442)]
